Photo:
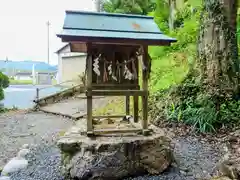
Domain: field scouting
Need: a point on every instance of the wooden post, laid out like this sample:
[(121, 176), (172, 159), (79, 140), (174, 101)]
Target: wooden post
[(127, 105), (135, 108), (135, 98), (145, 88), (89, 96), (37, 94)]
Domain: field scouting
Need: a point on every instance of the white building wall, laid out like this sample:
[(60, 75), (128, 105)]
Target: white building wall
[(24, 78), (70, 65), (73, 67)]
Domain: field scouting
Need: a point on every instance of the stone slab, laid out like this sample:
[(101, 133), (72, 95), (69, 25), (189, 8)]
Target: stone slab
[(74, 108), (113, 156)]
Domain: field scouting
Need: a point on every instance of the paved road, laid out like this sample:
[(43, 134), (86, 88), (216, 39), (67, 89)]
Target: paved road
[(21, 96)]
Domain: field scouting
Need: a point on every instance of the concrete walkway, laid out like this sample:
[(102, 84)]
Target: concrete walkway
[(74, 108)]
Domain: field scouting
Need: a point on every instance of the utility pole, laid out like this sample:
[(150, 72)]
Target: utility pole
[(48, 24)]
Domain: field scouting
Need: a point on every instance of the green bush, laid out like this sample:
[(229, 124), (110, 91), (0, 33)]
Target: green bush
[(177, 94), (4, 83), (4, 80), (187, 103)]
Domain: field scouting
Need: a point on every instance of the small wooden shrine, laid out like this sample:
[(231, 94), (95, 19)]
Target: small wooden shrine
[(117, 48)]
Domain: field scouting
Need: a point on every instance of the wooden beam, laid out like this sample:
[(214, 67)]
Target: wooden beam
[(119, 41), (116, 86), (82, 47), (113, 131), (108, 116), (116, 93), (78, 47)]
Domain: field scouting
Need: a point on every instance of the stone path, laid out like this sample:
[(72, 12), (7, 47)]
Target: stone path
[(74, 108)]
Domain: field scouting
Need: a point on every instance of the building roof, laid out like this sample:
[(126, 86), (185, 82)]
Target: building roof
[(62, 48), (64, 52), (80, 26), (27, 66), (23, 73), (73, 54)]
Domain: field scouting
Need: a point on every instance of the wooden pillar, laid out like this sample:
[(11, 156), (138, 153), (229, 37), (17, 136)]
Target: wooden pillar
[(127, 105), (135, 98), (135, 110), (37, 94), (89, 93), (145, 88)]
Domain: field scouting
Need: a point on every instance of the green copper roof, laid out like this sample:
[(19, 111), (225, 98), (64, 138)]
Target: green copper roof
[(79, 24)]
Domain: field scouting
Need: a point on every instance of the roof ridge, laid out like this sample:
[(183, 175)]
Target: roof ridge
[(108, 14), (112, 30)]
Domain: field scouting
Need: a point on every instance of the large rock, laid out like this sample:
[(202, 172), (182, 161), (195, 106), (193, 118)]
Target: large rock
[(221, 178), (17, 163), (114, 157), (230, 166)]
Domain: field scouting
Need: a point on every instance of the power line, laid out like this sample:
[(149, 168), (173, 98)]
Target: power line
[(48, 24)]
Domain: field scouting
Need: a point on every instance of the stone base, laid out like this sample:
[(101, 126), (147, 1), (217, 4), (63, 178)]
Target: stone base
[(230, 165), (114, 157)]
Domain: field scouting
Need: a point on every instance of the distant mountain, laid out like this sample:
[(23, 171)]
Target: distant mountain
[(26, 66)]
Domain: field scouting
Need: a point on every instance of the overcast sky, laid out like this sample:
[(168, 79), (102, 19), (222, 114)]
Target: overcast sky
[(23, 29)]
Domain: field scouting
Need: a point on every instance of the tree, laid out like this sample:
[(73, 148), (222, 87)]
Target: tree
[(172, 7), (217, 50), (142, 7), (208, 96), (99, 5), (169, 8)]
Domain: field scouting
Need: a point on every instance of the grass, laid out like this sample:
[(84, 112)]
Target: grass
[(170, 70), (5, 110), (14, 82), (54, 81), (27, 82), (116, 106)]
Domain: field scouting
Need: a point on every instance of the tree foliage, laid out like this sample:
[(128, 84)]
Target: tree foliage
[(4, 83), (196, 99), (142, 7), (183, 81)]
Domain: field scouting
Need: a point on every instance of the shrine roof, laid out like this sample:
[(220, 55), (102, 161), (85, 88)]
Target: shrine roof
[(82, 26)]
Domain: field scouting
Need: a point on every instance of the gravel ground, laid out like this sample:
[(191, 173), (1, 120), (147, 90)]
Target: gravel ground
[(18, 128), (44, 164), (197, 158)]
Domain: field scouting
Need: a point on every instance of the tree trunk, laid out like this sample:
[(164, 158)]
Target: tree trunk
[(171, 14), (217, 48), (98, 4)]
